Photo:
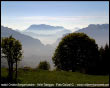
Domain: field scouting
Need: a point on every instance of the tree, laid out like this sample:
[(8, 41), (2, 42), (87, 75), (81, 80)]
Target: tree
[(44, 65), (17, 54), (104, 59), (76, 51), (11, 50)]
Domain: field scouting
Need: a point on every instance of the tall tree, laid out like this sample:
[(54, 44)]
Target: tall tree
[(76, 51), (12, 51), (107, 58)]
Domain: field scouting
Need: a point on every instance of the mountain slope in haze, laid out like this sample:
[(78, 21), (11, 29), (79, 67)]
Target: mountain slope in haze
[(26, 40), (34, 50), (46, 33), (100, 32)]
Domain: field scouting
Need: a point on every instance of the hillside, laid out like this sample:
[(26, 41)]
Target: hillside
[(26, 40)]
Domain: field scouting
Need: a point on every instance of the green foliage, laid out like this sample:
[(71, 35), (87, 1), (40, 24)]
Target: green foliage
[(76, 51), (11, 49), (44, 65)]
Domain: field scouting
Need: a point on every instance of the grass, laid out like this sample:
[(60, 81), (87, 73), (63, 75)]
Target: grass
[(53, 77)]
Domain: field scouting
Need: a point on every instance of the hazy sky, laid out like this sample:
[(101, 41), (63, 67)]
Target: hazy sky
[(69, 14)]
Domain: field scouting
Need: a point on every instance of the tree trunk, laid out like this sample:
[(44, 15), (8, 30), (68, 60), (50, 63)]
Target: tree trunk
[(16, 71), (11, 75), (73, 69), (9, 70)]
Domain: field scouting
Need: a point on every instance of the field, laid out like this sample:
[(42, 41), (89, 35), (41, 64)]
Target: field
[(52, 77)]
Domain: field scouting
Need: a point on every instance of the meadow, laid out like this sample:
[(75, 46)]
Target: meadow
[(37, 76)]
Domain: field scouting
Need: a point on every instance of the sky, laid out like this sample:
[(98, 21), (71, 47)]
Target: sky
[(69, 14)]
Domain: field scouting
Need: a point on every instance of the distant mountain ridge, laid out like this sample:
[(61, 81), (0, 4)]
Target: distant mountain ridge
[(43, 27), (100, 32), (98, 26), (46, 33)]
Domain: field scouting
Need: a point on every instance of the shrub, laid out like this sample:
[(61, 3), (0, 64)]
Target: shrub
[(44, 65), (27, 68), (57, 69)]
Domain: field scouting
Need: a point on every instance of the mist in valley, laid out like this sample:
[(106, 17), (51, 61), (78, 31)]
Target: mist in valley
[(35, 51)]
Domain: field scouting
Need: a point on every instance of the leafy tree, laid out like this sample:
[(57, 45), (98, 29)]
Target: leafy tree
[(76, 51), (44, 65), (12, 51)]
